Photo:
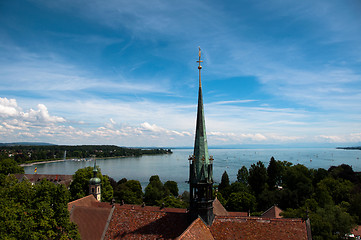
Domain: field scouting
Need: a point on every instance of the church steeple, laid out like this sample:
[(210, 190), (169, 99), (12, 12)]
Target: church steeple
[(200, 144), (201, 166), (94, 183)]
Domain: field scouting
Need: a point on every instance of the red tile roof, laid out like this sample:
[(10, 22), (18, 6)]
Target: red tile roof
[(272, 212), (198, 230), (91, 221), (219, 210), (87, 201), (258, 228), (136, 222), (90, 215), (357, 231), (55, 178)]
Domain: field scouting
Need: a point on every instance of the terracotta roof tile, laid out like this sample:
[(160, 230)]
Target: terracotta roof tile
[(136, 222), (238, 214), (357, 231), (87, 201), (55, 178), (91, 221), (258, 228), (272, 212), (198, 230), (218, 209)]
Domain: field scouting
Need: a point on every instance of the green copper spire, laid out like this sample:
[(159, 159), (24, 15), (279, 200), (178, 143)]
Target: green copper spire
[(95, 180), (201, 156)]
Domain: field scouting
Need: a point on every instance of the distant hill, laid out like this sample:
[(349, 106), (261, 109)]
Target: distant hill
[(350, 148), (26, 144)]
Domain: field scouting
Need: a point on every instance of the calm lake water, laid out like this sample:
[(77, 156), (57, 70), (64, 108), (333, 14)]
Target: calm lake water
[(175, 166)]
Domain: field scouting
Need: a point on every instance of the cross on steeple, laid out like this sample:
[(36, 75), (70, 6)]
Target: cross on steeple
[(199, 66)]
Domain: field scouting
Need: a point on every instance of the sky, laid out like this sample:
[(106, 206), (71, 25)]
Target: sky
[(123, 72)]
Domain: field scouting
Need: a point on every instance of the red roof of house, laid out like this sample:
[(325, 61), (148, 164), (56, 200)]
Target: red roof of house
[(87, 201), (96, 219), (55, 178), (91, 221), (357, 231), (198, 230), (136, 222), (90, 215), (219, 210), (272, 212), (258, 228)]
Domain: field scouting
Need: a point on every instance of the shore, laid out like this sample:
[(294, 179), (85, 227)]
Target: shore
[(35, 163)]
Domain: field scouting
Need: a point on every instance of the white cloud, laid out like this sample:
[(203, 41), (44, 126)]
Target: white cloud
[(8, 107)]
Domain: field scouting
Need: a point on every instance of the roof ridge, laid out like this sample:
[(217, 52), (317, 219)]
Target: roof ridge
[(108, 221), (261, 218)]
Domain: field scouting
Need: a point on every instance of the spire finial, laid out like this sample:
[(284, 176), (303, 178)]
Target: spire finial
[(199, 66)]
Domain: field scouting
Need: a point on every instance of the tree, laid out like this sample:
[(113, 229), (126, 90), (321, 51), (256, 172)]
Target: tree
[(275, 173), (257, 177), (10, 166), (172, 186), (298, 180), (344, 171), (154, 191), (241, 201), (171, 201), (224, 182), (35, 212), (130, 192), (338, 189), (242, 175)]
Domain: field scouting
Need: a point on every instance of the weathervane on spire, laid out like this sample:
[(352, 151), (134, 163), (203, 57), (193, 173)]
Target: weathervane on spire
[(199, 66)]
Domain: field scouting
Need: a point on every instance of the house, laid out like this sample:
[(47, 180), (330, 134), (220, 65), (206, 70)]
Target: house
[(100, 220), (54, 178)]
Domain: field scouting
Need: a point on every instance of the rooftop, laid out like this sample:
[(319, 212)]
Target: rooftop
[(98, 220)]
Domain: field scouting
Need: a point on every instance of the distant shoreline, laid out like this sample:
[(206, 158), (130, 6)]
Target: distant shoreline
[(70, 159), (349, 148), (35, 163)]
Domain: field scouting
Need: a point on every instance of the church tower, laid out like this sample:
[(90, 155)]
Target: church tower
[(94, 184), (201, 167)]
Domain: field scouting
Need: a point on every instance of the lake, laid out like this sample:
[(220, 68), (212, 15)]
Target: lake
[(175, 166)]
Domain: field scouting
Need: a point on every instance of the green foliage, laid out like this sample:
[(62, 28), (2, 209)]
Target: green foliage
[(257, 177), (35, 212), (129, 191), (275, 171), (172, 186), (171, 201), (338, 189), (10, 166), (157, 194), (355, 207), (154, 192), (241, 201), (223, 187), (242, 175), (106, 189), (298, 180)]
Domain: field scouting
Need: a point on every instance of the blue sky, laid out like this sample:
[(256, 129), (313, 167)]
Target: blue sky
[(125, 72)]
